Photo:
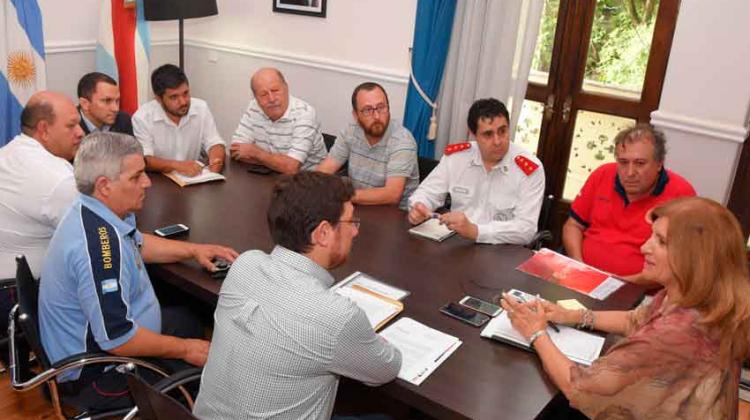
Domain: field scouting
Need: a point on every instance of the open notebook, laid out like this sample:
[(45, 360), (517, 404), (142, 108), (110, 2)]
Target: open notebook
[(579, 346), (432, 229), (205, 176), (380, 301)]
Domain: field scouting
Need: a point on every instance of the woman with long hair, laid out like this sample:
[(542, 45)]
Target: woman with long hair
[(681, 353)]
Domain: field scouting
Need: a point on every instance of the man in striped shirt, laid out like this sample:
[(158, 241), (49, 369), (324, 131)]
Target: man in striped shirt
[(381, 153), (278, 130)]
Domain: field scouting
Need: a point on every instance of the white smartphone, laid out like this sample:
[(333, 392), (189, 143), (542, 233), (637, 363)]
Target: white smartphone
[(480, 305), (171, 230)]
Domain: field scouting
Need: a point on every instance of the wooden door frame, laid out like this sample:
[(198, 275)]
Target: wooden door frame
[(571, 46), (739, 198)]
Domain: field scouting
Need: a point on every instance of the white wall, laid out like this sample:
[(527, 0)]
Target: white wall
[(322, 59), (704, 108), (706, 97)]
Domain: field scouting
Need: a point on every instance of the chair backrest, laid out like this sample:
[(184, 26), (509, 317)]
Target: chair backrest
[(545, 212), (329, 139), (27, 289), (426, 165), (153, 405)]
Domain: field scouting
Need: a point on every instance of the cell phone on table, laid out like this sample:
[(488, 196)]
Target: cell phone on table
[(481, 306), (259, 169), (465, 314), (171, 230)]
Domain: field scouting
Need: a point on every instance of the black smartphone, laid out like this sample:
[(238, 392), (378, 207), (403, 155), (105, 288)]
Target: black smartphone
[(171, 230), (465, 314), (259, 169), (481, 306), (222, 268)]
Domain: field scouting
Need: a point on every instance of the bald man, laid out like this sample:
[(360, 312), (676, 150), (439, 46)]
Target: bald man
[(278, 130), (36, 179)]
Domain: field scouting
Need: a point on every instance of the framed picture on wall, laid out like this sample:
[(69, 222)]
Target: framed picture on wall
[(301, 7)]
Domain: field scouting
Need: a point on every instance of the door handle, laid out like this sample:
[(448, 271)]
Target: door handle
[(566, 109), (549, 107)]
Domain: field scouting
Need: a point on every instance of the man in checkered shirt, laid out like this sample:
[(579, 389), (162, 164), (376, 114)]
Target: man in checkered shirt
[(282, 338)]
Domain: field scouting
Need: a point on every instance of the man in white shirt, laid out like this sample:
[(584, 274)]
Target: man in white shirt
[(36, 179), (278, 130), (174, 128), (496, 187)]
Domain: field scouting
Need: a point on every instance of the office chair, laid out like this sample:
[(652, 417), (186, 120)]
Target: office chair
[(329, 139), (543, 235), (25, 315), (152, 401), (426, 165)]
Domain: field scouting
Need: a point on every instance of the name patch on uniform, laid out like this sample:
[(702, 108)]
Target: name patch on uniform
[(460, 190), (504, 215), (106, 249), (109, 286)]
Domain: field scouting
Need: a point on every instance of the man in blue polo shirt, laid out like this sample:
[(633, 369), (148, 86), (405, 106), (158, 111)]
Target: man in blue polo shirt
[(95, 294)]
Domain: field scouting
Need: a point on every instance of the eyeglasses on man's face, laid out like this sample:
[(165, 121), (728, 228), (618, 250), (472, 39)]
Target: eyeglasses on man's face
[(355, 221), (368, 111)]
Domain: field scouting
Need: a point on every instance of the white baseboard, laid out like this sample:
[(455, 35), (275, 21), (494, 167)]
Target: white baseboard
[(708, 128)]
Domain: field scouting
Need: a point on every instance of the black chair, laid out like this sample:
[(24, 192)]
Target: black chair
[(152, 401), (329, 139), (25, 315), (426, 165), (543, 235)]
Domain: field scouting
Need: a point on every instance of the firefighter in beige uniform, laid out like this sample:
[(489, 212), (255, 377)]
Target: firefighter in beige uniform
[(496, 187)]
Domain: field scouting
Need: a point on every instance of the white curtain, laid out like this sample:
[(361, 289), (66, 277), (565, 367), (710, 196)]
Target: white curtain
[(490, 55)]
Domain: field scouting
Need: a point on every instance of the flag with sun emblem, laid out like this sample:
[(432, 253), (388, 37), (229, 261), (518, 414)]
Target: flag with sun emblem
[(22, 68)]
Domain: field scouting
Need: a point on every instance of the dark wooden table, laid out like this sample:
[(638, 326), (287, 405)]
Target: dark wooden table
[(483, 379)]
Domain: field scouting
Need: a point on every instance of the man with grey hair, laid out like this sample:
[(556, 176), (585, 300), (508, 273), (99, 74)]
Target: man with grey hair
[(95, 293), (278, 130), (607, 223)]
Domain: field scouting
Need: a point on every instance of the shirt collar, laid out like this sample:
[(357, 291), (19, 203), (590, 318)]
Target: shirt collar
[(476, 160), (161, 114), (125, 226), (360, 132), (90, 125), (661, 184), (35, 143), (303, 264)]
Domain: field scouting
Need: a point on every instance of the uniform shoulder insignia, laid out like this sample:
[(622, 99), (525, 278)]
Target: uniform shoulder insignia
[(527, 165), (456, 147)]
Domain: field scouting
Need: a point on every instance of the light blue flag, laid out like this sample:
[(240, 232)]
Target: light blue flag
[(22, 66)]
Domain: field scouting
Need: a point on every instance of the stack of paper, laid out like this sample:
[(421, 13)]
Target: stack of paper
[(432, 229), (422, 348), (579, 346), (205, 176), (379, 301)]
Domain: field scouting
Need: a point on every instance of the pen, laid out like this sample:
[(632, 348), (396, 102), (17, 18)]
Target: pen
[(550, 323)]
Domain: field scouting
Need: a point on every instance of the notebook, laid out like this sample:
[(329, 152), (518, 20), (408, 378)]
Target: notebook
[(379, 301), (422, 348), (432, 229), (205, 176), (578, 346)]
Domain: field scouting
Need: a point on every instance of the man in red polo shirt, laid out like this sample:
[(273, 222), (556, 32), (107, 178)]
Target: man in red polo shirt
[(607, 223)]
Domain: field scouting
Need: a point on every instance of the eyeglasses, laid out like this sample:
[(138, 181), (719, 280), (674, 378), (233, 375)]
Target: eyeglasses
[(368, 110), (354, 221)]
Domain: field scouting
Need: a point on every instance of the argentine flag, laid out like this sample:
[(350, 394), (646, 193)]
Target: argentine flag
[(123, 50), (22, 67)]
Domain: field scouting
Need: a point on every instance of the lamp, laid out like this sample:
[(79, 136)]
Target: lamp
[(181, 10)]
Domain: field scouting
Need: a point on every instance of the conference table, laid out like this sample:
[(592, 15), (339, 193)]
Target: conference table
[(483, 379)]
